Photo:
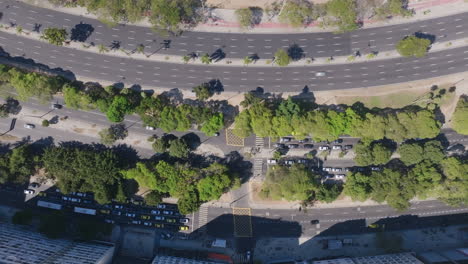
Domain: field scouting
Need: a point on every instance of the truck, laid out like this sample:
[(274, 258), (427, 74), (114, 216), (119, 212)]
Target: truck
[(82, 210), (49, 205)]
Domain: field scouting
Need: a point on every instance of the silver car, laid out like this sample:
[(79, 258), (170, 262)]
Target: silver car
[(320, 74)]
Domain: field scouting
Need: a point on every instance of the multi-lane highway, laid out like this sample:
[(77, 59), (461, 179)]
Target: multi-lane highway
[(237, 45), (273, 79)]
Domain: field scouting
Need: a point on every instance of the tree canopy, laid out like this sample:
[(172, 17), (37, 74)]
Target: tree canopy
[(372, 154), (56, 36), (460, 116), (344, 13), (17, 165), (296, 13), (413, 46), (282, 58)]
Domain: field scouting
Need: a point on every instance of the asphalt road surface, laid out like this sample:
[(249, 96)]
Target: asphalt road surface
[(234, 45), (294, 223), (272, 79)]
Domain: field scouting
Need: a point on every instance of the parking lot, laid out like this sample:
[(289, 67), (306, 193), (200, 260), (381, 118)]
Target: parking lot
[(164, 216)]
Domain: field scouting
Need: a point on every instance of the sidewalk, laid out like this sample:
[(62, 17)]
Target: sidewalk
[(224, 20)]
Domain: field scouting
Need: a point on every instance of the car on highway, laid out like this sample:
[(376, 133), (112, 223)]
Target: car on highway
[(336, 147), (130, 215), (155, 212), (320, 74), (170, 220), (314, 222), (150, 128), (184, 220), (323, 147), (183, 228), (55, 106), (145, 217), (159, 218), (29, 191), (29, 126)]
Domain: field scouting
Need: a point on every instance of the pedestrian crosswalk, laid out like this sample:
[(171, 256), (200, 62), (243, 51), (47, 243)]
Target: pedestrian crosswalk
[(202, 219), (258, 167), (259, 142)]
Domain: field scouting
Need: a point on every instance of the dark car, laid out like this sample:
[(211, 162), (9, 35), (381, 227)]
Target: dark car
[(305, 140), (337, 141), (346, 147), (314, 222), (308, 146)]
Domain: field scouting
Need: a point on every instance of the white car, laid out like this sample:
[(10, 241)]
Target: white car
[(285, 139), (29, 126), (327, 169), (118, 206), (75, 200), (324, 148), (271, 161), (337, 147), (340, 176), (320, 74), (161, 206), (149, 128), (289, 162), (29, 191), (336, 169), (184, 220), (130, 214)]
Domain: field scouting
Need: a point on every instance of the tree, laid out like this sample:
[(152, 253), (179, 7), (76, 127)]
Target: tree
[(433, 151), (394, 187), (168, 15), (75, 98), (358, 186), (344, 12), (410, 153), (22, 217), (153, 198), (328, 193), (115, 132), (296, 13), (84, 169), (3, 111), (179, 149), (53, 225), (294, 183), (413, 46), (213, 125), (45, 123), (146, 176), (203, 91), (102, 48), (160, 145), (188, 203), (17, 165), (55, 36), (34, 84), (392, 8), (454, 190), (140, 49), (245, 17), (119, 107), (427, 176), (460, 116), (372, 154), (248, 60), (215, 182), (282, 58), (206, 59)]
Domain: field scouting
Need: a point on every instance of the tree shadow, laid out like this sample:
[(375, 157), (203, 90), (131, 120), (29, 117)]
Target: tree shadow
[(115, 45), (30, 64), (216, 86), (37, 27), (81, 32), (295, 52), (128, 156), (12, 106), (254, 57), (257, 15), (175, 96), (54, 120), (192, 140), (430, 37), (218, 55)]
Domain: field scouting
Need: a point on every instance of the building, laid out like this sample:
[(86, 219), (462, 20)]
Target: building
[(400, 258), (19, 245), (459, 256)]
